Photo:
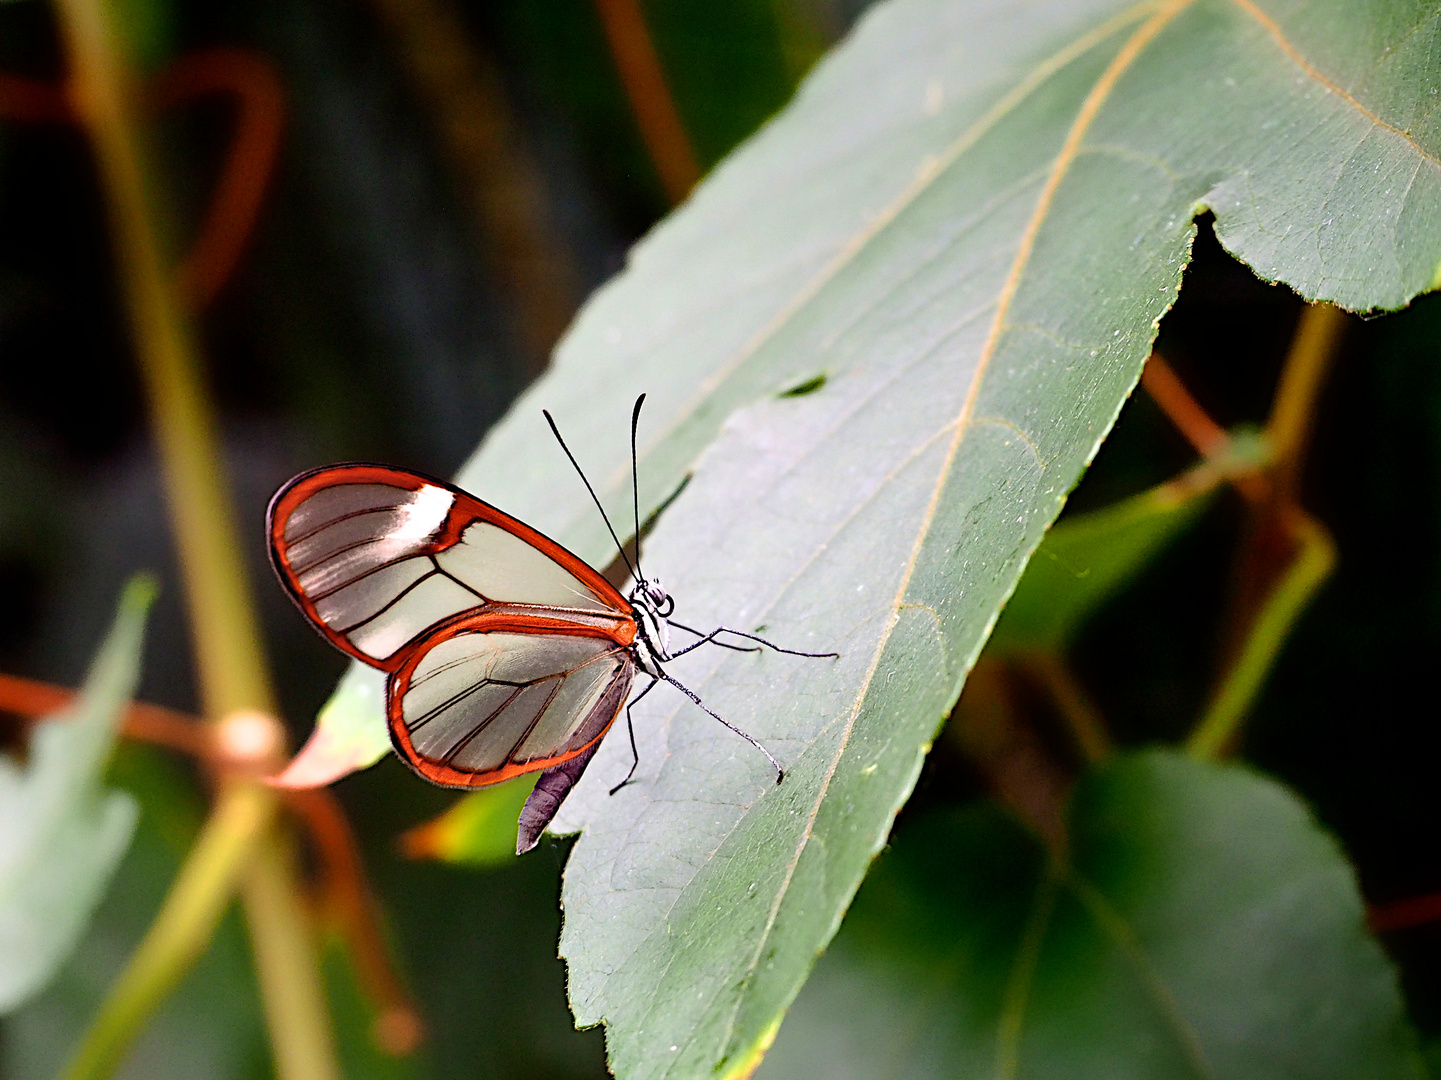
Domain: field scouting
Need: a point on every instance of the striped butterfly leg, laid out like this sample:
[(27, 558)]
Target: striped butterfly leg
[(630, 730), (713, 638)]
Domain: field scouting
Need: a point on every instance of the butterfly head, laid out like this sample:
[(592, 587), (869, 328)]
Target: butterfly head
[(651, 596)]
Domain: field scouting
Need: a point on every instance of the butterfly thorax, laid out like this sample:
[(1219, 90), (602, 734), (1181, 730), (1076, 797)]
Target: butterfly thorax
[(652, 606)]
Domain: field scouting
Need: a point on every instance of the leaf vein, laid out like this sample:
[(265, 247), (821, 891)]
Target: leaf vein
[(1312, 72)]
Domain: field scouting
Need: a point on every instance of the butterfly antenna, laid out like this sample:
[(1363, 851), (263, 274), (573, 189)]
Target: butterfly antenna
[(635, 483), (618, 546)]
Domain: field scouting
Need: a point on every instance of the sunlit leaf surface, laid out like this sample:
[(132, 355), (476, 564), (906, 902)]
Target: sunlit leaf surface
[(969, 222), (1204, 926), (62, 833), (478, 830)]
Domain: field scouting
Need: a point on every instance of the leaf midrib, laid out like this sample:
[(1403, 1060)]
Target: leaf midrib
[(1085, 117)]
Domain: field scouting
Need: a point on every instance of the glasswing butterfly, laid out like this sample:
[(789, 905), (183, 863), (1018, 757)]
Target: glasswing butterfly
[(505, 654)]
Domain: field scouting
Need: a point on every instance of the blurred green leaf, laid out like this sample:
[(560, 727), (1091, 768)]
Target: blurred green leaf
[(971, 220), (1085, 559), (211, 1028), (350, 733), (478, 830), (1204, 926), (62, 833)]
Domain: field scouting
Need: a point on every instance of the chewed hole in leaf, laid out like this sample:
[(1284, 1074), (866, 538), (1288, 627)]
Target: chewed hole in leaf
[(801, 389)]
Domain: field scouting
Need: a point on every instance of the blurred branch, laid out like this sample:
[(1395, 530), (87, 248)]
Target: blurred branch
[(232, 670), (650, 98), (398, 1028), (461, 88), (249, 160), (181, 931), (1184, 411), (1405, 914), (1264, 638), (1288, 430), (292, 985), (1017, 767), (1079, 713), (1285, 554)]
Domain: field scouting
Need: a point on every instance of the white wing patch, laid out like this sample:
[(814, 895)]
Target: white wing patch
[(356, 551), (506, 569), (476, 701)]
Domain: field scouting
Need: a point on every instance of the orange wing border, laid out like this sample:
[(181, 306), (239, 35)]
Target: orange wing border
[(484, 622), (465, 510)]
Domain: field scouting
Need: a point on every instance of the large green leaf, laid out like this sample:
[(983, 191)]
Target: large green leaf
[(970, 222), (61, 832), (1204, 926)]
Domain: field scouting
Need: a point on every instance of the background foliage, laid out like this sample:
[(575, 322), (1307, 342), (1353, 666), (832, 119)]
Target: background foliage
[(374, 316)]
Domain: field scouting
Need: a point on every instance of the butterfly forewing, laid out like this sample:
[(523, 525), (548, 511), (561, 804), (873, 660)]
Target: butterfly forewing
[(379, 557), (506, 653)]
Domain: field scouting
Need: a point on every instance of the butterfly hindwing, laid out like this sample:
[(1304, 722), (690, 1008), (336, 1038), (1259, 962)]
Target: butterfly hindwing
[(483, 701)]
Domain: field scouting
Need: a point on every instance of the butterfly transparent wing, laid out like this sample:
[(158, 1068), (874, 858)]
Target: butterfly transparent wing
[(479, 705), (377, 557)]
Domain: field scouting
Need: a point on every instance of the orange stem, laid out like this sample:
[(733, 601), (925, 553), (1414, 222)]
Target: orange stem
[(143, 722), (398, 1028), (1166, 390), (249, 160), (650, 98)]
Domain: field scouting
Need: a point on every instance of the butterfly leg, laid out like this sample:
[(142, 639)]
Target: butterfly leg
[(688, 692), (739, 648), (630, 727), (707, 639)]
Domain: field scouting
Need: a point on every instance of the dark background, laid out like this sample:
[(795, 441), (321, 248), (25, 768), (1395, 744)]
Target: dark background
[(368, 320)]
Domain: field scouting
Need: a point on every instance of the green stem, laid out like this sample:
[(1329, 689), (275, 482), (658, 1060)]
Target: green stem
[(180, 932), (229, 657), (1311, 566), (283, 941)]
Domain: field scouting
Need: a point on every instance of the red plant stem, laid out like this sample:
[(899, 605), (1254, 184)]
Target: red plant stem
[(249, 160), (143, 722), (398, 1027), (650, 98), (1166, 390), (1405, 914)]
